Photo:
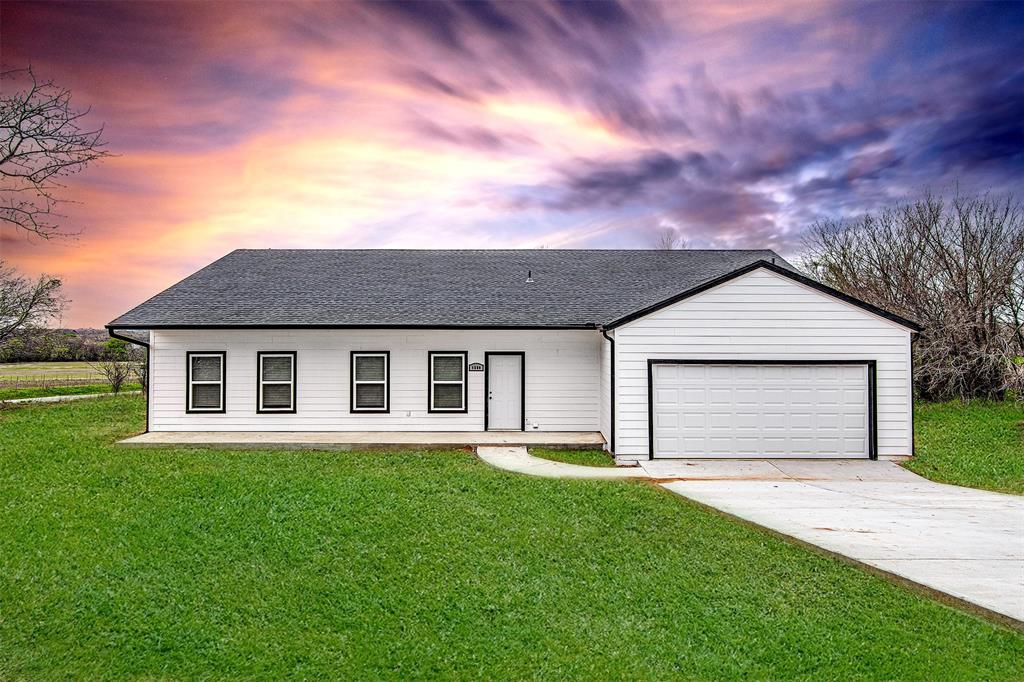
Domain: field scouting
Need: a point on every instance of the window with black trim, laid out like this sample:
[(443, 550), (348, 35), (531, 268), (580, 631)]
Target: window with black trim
[(371, 381), (204, 372), (447, 381), (275, 381)]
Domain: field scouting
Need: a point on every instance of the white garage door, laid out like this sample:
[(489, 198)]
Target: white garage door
[(711, 410)]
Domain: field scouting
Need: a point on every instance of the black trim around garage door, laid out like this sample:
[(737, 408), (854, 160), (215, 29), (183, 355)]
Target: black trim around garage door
[(872, 390)]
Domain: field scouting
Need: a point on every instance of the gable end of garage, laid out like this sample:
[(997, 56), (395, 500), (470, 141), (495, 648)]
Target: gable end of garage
[(779, 270)]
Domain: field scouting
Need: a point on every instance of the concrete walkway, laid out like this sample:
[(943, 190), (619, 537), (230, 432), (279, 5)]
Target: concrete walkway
[(964, 543), (62, 398), (522, 462)]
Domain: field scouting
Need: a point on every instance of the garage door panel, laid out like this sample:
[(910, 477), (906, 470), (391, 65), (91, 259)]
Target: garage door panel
[(851, 444), (801, 421), (801, 396), (665, 444), (666, 396), (720, 396), (693, 371), (695, 420), (750, 410), (718, 372), (744, 372), (828, 421), (694, 445), (853, 421), (668, 420), (747, 420), (854, 397), (746, 396), (669, 372), (694, 396)]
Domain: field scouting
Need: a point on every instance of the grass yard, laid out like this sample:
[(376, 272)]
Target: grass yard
[(188, 563), (45, 391), (43, 370), (978, 444), (590, 458)]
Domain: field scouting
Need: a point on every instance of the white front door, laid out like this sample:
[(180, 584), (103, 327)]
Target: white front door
[(504, 392)]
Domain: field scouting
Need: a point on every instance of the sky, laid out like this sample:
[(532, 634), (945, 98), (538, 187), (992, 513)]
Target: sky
[(504, 125)]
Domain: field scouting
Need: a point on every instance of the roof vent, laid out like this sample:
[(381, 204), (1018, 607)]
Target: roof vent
[(529, 276)]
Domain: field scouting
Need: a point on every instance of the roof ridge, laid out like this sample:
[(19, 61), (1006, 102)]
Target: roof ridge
[(423, 287)]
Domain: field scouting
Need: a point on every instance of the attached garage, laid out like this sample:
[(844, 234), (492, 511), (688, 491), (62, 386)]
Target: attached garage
[(730, 409), (761, 363)]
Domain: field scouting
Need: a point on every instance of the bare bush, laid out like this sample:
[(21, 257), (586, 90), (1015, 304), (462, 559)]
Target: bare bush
[(116, 372), (956, 267), (120, 362), (141, 371)]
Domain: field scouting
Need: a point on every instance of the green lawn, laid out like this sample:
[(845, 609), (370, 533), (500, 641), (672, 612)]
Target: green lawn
[(43, 370), (592, 458), (978, 444), (188, 563), (42, 392)]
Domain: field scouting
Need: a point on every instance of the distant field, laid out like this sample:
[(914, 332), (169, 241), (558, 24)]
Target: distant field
[(47, 391), (44, 374)]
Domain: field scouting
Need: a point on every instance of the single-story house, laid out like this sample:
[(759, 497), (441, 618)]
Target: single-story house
[(691, 353)]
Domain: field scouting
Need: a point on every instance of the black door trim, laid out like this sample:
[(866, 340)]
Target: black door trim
[(872, 390), (522, 385)]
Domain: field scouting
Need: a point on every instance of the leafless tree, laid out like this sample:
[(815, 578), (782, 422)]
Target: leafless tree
[(116, 372), (27, 302), (670, 239), (121, 362), (43, 139), (955, 266), (141, 371)]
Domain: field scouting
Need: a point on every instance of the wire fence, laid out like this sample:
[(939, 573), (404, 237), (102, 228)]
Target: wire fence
[(49, 381)]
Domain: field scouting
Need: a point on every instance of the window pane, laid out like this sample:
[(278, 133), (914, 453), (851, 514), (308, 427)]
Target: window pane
[(277, 396), (370, 368), (206, 368), (277, 368), (447, 396), (370, 396), (448, 368), (205, 396)]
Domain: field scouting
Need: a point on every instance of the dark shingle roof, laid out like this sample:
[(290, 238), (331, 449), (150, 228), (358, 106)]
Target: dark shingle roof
[(435, 288)]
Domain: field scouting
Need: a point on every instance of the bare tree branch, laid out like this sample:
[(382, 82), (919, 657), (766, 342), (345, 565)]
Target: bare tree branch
[(25, 302), (670, 239), (955, 266), (42, 140)]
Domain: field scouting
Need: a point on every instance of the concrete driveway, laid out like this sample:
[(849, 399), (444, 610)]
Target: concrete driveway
[(960, 541)]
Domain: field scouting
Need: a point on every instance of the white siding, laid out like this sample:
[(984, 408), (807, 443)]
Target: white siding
[(762, 316), (563, 386)]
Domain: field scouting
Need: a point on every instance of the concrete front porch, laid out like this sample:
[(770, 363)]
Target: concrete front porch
[(363, 440)]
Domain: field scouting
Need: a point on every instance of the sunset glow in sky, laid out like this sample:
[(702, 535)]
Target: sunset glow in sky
[(504, 125)]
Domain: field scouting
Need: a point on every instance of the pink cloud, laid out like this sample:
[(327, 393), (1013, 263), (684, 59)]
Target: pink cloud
[(308, 124)]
